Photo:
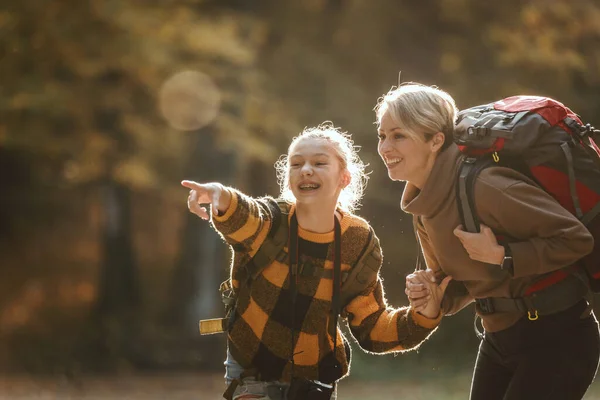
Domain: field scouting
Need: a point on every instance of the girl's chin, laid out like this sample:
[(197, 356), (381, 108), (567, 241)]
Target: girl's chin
[(314, 200)]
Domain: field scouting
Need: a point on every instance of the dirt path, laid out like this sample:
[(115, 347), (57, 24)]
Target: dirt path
[(210, 387)]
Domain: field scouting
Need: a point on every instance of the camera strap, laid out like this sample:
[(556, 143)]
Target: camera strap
[(337, 278), (337, 281)]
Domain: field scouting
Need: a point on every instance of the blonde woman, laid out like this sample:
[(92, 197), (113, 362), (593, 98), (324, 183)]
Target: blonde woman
[(552, 357), (280, 341)]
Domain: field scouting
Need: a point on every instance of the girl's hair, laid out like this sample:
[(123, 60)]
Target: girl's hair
[(347, 153), (421, 111)]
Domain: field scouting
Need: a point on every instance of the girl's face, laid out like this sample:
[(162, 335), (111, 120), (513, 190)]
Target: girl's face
[(315, 172), (406, 158)]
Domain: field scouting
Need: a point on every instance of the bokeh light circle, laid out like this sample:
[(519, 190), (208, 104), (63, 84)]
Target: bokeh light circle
[(189, 100)]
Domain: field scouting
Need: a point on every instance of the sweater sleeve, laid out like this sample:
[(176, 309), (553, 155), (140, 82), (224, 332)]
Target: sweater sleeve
[(547, 236), (245, 224), (379, 328), (456, 296)]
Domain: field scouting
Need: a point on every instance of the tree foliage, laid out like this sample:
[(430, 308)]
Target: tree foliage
[(142, 94)]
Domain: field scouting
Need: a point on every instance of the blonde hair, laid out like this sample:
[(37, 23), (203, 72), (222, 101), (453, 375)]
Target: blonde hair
[(347, 153), (421, 111)]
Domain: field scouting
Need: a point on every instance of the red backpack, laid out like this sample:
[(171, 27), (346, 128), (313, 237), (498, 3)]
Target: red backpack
[(544, 140)]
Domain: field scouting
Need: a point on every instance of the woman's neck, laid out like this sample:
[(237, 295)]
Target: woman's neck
[(420, 181), (317, 219)]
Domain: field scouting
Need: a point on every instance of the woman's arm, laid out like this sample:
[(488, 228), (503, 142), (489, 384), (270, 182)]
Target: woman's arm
[(456, 297), (546, 236)]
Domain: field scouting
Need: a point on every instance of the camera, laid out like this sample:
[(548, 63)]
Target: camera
[(304, 389)]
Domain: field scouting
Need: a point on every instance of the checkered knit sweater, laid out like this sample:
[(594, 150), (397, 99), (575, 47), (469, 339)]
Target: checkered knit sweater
[(261, 334)]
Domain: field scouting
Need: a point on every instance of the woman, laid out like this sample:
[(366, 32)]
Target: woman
[(553, 357), (280, 341)]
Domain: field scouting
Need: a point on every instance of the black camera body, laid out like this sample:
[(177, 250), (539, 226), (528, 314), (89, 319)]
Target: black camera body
[(304, 389)]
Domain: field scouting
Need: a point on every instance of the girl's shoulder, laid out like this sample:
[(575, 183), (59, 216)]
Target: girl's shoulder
[(358, 228), (356, 221)]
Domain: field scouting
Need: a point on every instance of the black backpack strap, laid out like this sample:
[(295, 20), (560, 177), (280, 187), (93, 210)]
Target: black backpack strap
[(337, 282), (591, 214), (336, 305), (465, 188), (554, 298), (421, 263), (364, 272), (565, 147), (583, 134), (272, 247), (485, 128)]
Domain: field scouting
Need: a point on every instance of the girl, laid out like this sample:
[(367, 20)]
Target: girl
[(283, 340)]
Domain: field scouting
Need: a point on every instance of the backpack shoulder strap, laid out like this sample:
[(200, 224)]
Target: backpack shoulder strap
[(468, 172), (365, 271), (421, 263), (272, 247)]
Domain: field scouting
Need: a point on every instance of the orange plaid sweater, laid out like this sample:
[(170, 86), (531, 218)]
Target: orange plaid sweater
[(260, 336)]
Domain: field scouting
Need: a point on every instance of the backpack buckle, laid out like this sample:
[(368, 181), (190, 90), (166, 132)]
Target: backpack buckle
[(478, 131), (580, 130), (485, 305), (590, 130), (534, 316)]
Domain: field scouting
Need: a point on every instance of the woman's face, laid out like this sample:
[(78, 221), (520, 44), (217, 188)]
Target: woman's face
[(315, 172), (406, 158)]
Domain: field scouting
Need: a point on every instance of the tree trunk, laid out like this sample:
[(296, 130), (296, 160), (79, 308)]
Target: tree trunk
[(203, 263), (119, 289)]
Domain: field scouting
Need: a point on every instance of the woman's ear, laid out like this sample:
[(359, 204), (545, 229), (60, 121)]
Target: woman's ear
[(437, 141)]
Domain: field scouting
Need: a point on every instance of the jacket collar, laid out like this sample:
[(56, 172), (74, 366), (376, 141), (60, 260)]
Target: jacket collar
[(439, 186)]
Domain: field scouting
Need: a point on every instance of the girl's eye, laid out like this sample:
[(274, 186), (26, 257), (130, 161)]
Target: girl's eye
[(294, 165), (381, 137), (321, 163)]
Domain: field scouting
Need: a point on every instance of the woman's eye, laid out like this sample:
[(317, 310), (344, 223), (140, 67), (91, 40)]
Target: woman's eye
[(381, 137), (399, 136)]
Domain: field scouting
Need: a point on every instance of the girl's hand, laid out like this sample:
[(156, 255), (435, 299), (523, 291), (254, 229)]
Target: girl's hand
[(481, 246), (214, 194)]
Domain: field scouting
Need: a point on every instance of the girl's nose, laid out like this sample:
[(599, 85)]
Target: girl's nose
[(307, 169)]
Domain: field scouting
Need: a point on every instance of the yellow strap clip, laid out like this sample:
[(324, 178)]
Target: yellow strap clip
[(210, 326), (534, 316), (495, 156)]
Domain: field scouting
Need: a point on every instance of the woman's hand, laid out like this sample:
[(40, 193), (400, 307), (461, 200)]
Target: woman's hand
[(214, 194), (424, 294), (481, 246)]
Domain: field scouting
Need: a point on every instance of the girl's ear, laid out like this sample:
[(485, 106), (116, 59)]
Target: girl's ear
[(346, 179)]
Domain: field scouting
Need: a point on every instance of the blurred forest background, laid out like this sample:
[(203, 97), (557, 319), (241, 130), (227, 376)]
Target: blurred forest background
[(106, 105)]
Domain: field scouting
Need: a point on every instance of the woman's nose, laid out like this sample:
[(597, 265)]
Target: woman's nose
[(383, 147)]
